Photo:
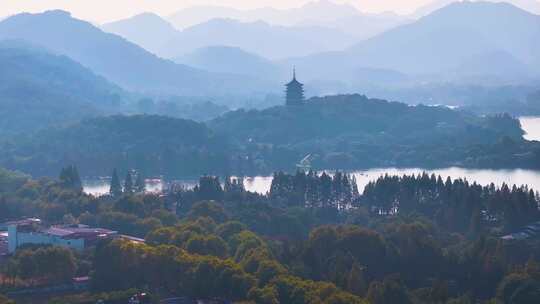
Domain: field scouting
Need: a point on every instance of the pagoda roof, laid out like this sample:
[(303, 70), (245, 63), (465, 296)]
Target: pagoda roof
[(294, 82)]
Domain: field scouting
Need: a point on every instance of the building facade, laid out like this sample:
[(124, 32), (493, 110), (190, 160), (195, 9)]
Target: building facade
[(76, 237)]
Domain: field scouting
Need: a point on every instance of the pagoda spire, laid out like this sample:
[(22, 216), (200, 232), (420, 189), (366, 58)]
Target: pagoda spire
[(295, 91)]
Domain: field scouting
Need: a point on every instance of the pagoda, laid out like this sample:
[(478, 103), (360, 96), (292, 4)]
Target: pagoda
[(294, 92)]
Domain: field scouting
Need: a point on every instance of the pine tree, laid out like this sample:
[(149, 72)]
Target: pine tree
[(128, 183), (69, 176), (116, 187), (140, 184)]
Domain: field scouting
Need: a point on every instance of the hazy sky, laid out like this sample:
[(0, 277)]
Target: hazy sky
[(108, 10)]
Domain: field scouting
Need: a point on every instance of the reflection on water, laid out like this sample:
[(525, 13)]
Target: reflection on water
[(531, 125), (101, 186), (261, 184), (481, 176)]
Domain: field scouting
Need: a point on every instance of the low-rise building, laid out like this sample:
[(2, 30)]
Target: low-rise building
[(3, 243), (76, 237)]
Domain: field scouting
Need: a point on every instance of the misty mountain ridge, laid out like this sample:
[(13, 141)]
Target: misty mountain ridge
[(321, 12), (443, 41), (278, 42), (147, 30), (326, 17), (223, 59), (532, 6), (116, 59), (160, 37)]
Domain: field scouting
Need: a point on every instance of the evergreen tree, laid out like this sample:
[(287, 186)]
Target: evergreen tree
[(70, 178), (116, 188), (140, 184), (209, 188), (128, 183)]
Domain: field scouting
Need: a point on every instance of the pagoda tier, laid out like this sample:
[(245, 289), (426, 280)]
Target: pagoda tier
[(294, 92)]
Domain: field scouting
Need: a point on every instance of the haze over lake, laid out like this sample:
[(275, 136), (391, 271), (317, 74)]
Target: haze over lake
[(531, 125)]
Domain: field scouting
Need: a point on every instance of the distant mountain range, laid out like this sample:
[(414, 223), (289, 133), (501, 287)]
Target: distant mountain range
[(221, 59), (532, 6), (315, 27), (464, 43), (498, 39), (320, 13), (279, 41), (118, 60), (147, 30)]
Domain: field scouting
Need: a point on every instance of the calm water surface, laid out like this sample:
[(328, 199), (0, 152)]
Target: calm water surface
[(261, 184), (531, 125)]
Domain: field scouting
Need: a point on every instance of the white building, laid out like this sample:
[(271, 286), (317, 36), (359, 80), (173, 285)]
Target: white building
[(76, 237)]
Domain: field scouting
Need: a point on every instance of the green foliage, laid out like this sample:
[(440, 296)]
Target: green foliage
[(347, 131), (294, 290), (193, 275), (522, 286), (207, 245), (114, 297), (4, 300), (389, 291), (228, 229), (55, 264), (70, 178), (208, 209), (128, 183), (115, 188), (209, 188), (352, 131), (140, 184), (183, 147), (10, 181), (453, 204), (261, 248)]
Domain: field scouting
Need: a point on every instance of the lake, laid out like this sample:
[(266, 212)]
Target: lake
[(531, 125), (261, 184)]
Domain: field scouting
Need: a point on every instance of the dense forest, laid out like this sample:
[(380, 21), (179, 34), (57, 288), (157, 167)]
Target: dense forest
[(312, 239), (153, 144), (341, 132)]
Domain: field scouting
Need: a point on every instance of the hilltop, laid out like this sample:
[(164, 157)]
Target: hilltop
[(342, 132), (117, 59), (39, 89)]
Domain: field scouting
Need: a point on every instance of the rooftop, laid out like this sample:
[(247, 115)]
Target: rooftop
[(78, 231), (26, 221)]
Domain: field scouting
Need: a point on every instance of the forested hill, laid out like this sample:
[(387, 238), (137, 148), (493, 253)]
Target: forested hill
[(363, 120), (153, 144), (38, 89), (341, 132), (352, 131)]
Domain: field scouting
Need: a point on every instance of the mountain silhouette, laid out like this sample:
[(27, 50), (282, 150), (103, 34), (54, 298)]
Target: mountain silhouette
[(147, 30), (116, 59), (441, 42)]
